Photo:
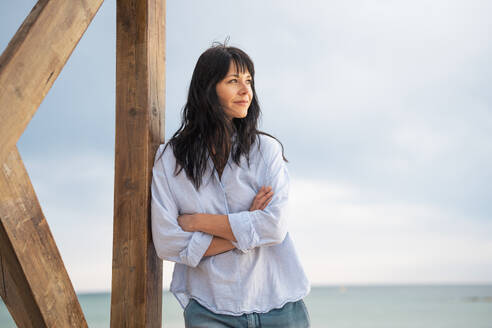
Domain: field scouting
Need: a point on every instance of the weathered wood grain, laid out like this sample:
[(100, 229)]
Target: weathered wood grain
[(16, 292), (136, 294), (34, 58), (37, 289)]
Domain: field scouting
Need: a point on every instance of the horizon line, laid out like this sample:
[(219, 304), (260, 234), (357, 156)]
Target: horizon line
[(347, 285)]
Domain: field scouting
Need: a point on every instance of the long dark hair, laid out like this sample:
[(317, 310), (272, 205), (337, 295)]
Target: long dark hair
[(204, 125)]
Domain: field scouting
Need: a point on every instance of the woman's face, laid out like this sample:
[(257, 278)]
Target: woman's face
[(235, 92)]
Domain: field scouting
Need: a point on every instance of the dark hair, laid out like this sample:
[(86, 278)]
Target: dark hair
[(204, 123)]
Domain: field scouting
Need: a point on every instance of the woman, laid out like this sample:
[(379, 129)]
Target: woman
[(219, 193)]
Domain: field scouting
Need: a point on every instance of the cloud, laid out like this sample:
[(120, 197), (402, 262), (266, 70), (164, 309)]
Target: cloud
[(343, 238)]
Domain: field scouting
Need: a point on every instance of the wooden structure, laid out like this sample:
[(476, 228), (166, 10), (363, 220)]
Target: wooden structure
[(136, 291), (34, 283)]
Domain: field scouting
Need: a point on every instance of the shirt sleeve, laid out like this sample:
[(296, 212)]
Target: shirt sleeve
[(265, 227), (170, 241)]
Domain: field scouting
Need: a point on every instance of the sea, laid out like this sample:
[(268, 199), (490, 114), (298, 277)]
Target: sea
[(402, 306)]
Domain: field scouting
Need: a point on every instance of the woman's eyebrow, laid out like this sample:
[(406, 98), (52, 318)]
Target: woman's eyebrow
[(237, 75)]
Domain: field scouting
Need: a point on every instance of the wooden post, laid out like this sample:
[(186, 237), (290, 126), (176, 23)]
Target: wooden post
[(36, 287), (136, 292)]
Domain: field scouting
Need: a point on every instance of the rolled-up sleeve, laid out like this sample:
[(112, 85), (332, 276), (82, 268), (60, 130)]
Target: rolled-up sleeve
[(170, 241), (265, 227)]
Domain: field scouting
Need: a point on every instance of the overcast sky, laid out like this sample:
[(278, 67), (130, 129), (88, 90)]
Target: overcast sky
[(384, 109)]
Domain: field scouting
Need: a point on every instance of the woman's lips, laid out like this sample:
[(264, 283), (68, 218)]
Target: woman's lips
[(241, 102)]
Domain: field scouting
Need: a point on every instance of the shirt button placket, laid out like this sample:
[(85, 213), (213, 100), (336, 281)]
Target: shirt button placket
[(223, 191)]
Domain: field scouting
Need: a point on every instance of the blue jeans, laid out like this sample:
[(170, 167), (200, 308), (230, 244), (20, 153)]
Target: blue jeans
[(291, 315)]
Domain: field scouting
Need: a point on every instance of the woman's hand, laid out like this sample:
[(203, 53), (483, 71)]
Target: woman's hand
[(187, 222), (262, 198)]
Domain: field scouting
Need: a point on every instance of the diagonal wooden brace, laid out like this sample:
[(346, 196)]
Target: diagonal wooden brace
[(34, 58), (35, 285)]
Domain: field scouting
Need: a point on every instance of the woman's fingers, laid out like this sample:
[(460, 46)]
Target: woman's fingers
[(265, 195), (262, 198), (267, 201), (261, 192)]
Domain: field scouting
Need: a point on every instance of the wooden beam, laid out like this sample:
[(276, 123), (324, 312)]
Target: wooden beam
[(136, 293), (36, 287), (16, 292), (34, 58)]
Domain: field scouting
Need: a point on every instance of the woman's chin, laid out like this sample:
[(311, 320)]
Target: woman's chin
[(239, 114), (243, 114)]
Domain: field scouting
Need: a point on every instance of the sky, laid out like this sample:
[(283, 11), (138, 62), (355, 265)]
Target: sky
[(384, 109)]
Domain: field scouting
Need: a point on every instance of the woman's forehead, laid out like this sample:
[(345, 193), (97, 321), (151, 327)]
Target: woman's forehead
[(235, 68)]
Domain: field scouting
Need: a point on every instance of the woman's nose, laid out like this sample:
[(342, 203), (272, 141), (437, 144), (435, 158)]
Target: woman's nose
[(244, 88)]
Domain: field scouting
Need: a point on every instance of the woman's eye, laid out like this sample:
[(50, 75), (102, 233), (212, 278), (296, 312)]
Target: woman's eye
[(233, 80)]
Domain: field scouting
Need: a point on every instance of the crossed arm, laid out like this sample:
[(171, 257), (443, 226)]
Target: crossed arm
[(218, 224)]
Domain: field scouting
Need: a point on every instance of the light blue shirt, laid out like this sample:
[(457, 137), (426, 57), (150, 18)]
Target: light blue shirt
[(264, 271)]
